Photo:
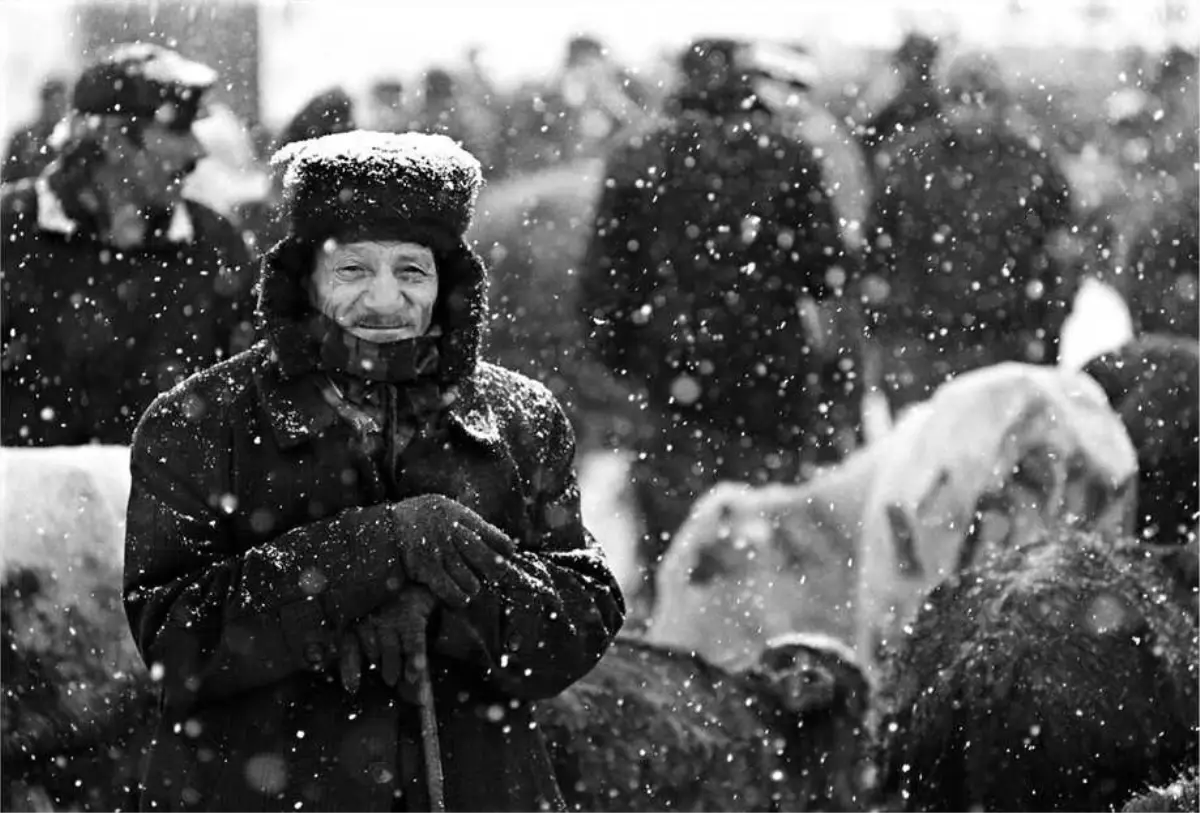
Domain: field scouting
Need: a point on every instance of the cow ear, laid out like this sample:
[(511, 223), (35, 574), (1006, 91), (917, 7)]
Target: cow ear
[(1115, 375)]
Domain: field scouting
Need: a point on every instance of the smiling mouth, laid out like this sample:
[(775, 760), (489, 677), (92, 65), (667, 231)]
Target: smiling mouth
[(380, 327)]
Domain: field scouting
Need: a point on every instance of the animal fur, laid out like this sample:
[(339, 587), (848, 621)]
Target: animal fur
[(1060, 675)]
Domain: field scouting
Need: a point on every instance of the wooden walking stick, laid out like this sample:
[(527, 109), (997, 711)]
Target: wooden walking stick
[(416, 605)]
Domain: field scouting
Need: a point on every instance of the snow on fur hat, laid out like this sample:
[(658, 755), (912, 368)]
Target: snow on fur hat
[(371, 185)]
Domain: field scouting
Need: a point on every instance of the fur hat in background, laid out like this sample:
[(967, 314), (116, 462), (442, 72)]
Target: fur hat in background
[(373, 185), (141, 79)]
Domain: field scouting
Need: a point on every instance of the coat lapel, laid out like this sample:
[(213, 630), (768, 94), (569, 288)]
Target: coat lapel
[(297, 412)]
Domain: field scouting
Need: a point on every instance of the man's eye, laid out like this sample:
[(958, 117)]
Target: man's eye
[(414, 271), (348, 271)]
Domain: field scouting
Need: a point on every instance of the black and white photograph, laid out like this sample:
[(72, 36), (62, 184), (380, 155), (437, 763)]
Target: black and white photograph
[(775, 405)]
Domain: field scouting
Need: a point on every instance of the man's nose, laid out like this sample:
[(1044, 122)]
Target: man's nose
[(385, 292)]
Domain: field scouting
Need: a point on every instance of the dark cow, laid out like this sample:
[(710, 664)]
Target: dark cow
[(1059, 675), (1153, 383), (656, 729)]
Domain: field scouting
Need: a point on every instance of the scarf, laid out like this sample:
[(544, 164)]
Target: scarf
[(388, 392)]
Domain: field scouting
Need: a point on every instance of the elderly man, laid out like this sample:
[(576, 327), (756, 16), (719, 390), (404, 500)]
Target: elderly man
[(360, 455), (114, 287)]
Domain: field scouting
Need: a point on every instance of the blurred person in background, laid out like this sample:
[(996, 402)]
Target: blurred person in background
[(844, 172), (386, 109), (714, 240), (600, 98), (445, 109), (916, 100), (115, 287), (960, 275), (28, 150), (330, 111), (229, 178)]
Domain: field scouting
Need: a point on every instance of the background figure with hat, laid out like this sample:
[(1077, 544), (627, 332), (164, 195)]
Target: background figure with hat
[(28, 150), (961, 274), (360, 451), (114, 287), (330, 111), (714, 239), (915, 101)]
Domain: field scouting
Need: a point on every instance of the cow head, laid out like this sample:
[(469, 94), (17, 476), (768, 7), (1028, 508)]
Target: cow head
[(996, 457), (1019, 449), (811, 672)]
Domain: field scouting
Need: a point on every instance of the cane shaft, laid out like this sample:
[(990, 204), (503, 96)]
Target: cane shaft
[(432, 747)]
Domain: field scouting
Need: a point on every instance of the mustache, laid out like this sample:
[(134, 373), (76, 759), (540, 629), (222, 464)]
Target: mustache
[(379, 323)]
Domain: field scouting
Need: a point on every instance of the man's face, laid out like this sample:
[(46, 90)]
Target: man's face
[(147, 173), (970, 107), (54, 106), (379, 291), (168, 156)]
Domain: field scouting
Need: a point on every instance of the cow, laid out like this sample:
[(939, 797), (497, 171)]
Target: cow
[(1181, 796), (76, 692), (1061, 674), (849, 552), (652, 728)]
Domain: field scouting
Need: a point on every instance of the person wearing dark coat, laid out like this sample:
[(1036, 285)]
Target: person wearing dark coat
[(918, 99), (714, 240), (1162, 280), (114, 287), (960, 275), (287, 503), (28, 150), (330, 111)]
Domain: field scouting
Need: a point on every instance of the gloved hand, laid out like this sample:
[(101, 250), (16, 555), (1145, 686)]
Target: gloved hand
[(449, 548), (377, 637), (383, 638)]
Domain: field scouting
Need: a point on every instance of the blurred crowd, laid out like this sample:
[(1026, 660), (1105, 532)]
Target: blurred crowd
[(930, 162), (1139, 148)]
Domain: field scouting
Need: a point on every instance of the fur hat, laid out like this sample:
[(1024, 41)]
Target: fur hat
[(363, 185), (144, 80)]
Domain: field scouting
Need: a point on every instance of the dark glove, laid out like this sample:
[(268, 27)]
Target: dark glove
[(449, 548), (377, 637)]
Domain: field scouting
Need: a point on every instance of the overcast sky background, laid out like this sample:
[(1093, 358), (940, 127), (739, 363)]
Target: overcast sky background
[(308, 45)]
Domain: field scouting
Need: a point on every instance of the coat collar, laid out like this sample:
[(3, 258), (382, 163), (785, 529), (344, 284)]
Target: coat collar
[(298, 413), (52, 217)]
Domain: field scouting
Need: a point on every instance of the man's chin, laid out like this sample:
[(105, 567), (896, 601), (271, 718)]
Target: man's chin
[(384, 335)]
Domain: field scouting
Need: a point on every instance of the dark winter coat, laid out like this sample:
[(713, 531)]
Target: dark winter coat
[(914, 105), (27, 153), (709, 231), (92, 334), (960, 276), (256, 523), (1162, 284)]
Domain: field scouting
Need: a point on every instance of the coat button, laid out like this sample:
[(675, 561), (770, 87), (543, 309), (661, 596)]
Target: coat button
[(380, 772), (314, 654)]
